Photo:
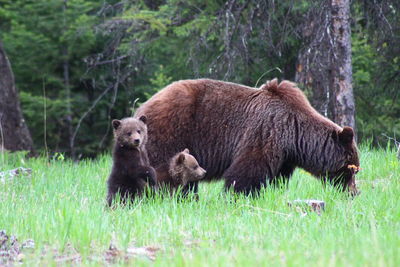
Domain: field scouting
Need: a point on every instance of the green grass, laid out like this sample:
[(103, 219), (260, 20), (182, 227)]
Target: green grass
[(62, 208)]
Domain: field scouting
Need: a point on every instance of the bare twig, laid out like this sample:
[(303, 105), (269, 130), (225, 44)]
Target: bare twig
[(117, 75), (392, 139), (45, 119), (2, 148), (133, 106), (266, 210), (94, 104), (384, 17), (268, 71)]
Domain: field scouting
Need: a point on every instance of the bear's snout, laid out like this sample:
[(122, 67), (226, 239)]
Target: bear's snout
[(136, 142), (136, 139), (202, 172)]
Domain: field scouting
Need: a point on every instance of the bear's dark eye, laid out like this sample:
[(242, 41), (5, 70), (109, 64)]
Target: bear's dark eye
[(129, 133), (138, 131), (195, 167)]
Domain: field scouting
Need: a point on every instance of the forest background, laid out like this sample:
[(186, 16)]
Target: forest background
[(80, 63)]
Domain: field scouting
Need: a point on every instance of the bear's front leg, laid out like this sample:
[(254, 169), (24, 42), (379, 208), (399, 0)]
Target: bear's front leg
[(148, 174), (191, 187)]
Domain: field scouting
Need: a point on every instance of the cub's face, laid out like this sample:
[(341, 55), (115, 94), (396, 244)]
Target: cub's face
[(189, 167), (130, 132)]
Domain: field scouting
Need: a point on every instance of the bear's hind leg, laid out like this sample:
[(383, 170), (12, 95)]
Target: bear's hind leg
[(247, 175)]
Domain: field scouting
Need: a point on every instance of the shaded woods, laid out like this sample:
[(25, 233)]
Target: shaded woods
[(78, 64)]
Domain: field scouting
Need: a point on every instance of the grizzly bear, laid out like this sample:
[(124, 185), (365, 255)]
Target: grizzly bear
[(248, 136), (131, 170), (181, 169)]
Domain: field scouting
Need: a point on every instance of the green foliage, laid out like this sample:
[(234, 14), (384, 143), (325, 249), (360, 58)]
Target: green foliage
[(119, 53), (62, 208), (375, 89), (159, 81), (50, 111), (40, 37)]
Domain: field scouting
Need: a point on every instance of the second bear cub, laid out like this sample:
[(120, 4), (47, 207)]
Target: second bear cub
[(182, 169), (131, 170)]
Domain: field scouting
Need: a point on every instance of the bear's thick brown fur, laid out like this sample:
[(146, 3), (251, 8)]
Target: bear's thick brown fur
[(180, 170), (131, 170), (246, 135)]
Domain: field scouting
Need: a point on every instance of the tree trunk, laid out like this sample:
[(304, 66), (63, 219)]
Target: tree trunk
[(14, 133), (67, 86), (324, 64), (398, 153), (342, 101)]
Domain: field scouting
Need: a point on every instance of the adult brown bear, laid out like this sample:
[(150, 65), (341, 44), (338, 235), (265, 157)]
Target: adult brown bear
[(248, 136)]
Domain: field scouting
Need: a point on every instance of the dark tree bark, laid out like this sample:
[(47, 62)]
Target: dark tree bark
[(342, 101), (66, 68), (324, 64), (14, 133), (398, 153)]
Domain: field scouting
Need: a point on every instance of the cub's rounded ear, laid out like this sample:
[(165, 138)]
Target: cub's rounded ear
[(346, 135), (186, 151), (143, 118), (116, 124), (180, 159)]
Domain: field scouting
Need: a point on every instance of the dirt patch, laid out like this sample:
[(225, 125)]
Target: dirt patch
[(113, 253), (191, 243), (147, 251), (15, 173), (303, 206), (69, 255), (11, 250)]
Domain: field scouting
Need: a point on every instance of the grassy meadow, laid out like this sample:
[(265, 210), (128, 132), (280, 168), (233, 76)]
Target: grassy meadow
[(62, 208)]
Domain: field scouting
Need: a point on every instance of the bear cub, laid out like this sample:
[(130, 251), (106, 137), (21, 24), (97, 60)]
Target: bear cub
[(131, 170), (181, 169)]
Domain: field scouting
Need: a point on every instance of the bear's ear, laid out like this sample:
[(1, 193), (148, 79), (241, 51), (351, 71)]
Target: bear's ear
[(180, 159), (186, 151), (334, 135), (143, 118), (116, 124), (346, 135)]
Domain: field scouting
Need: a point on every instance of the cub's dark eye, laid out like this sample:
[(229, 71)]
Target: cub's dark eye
[(129, 133), (138, 131), (195, 167)]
